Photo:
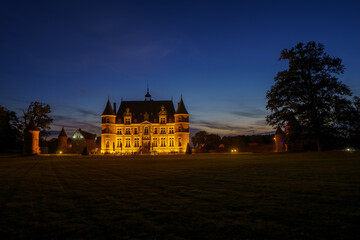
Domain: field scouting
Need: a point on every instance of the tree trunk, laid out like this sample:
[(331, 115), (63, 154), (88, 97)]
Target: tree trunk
[(319, 146)]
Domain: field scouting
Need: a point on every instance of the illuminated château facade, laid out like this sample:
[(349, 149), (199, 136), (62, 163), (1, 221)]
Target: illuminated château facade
[(145, 127)]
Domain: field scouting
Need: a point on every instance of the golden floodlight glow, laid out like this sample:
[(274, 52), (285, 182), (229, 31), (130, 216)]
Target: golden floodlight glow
[(60, 152)]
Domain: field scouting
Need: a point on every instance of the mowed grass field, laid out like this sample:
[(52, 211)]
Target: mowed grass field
[(209, 196)]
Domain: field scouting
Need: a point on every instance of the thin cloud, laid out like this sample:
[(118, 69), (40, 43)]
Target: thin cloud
[(252, 113)]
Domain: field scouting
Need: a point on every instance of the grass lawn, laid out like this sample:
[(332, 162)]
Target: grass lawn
[(219, 196)]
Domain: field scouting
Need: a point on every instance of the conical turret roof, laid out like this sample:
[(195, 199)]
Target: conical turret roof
[(62, 133), (108, 109), (32, 126), (181, 108)]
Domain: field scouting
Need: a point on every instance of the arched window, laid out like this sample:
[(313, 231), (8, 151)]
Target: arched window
[(146, 130)]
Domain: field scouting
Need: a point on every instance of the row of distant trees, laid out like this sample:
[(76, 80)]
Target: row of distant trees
[(12, 127), (205, 142)]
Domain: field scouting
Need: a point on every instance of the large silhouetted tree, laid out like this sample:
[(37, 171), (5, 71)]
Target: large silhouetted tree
[(309, 92), (39, 111), (10, 131)]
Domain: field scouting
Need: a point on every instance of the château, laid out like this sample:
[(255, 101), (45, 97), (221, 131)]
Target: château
[(146, 127)]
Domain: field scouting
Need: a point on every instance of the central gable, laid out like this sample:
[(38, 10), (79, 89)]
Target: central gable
[(146, 110)]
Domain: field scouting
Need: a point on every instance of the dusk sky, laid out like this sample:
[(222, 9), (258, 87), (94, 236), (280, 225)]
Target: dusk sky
[(222, 56)]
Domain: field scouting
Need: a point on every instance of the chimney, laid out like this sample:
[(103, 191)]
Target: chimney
[(115, 107)]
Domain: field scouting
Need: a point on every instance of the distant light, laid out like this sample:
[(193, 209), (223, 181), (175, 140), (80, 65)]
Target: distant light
[(349, 149), (233, 150), (60, 152)]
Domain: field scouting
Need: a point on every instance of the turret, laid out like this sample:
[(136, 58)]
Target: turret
[(108, 119), (31, 139), (279, 140), (147, 95), (62, 142), (182, 136)]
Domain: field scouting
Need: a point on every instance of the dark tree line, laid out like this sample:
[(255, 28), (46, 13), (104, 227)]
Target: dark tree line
[(205, 142)]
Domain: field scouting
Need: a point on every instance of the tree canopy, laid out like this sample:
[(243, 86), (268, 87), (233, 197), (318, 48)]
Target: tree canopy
[(308, 94), (39, 112), (10, 131)]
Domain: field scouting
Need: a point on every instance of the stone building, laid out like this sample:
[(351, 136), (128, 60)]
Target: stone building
[(147, 126), (62, 142), (77, 142), (31, 139)]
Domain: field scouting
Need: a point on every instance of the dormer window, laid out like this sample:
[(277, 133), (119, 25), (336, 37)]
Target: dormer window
[(162, 120), (127, 121), (108, 120)]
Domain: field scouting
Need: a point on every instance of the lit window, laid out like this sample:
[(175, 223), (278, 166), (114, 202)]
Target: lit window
[(179, 142), (118, 131), (162, 120), (127, 143), (171, 130), (171, 142), (127, 131), (118, 142), (127, 120), (154, 142), (146, 130), (162, 142), (162, 131), (136, 142)]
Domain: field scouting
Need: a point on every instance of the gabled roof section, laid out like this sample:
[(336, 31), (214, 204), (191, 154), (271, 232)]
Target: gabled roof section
[(181, 108), (108, 109), (62, 133), (32, 126), (150, 109), (86, 135)]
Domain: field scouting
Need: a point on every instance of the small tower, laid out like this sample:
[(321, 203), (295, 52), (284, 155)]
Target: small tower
[(31, 139), (108, 119), (147, 95), (62, 142), (279, 140), (182, 135)]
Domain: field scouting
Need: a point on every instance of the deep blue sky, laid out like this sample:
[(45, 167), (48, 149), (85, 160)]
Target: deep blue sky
[(222, 56)]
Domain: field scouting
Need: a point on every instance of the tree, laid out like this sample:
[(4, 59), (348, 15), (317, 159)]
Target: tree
[(11, 131), (39, 112), (310, 93), (199, 139)]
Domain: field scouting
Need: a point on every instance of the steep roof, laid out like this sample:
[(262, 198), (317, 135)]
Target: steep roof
[(62, 133), (32, 126), (139, 108), (181, 108), (86, 135), (108, 109)]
